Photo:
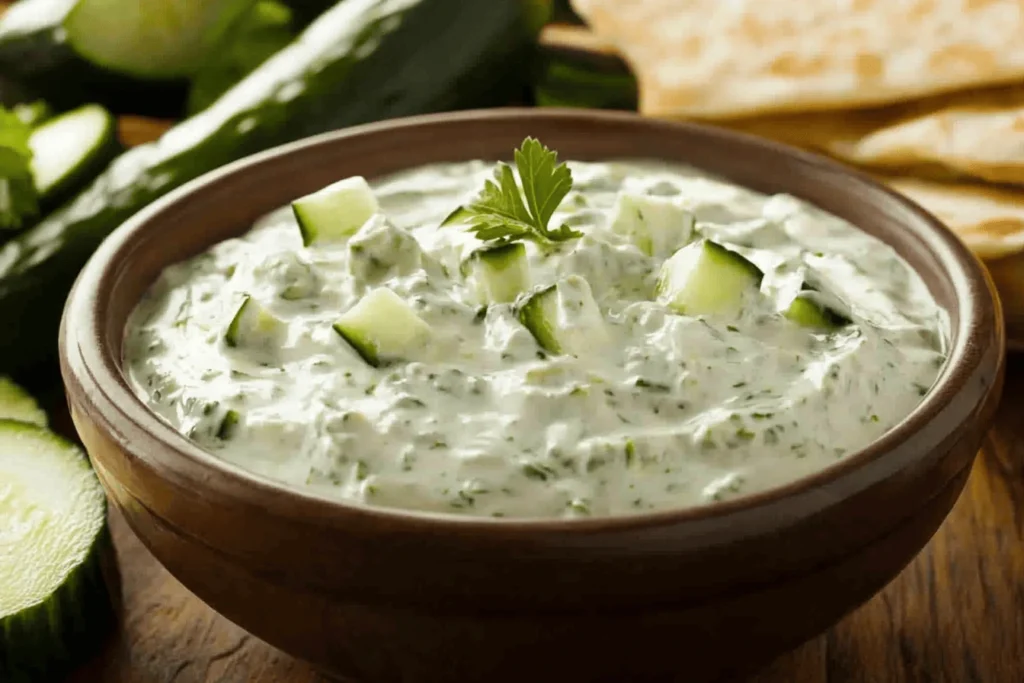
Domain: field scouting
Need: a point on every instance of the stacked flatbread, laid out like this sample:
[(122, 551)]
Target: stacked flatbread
[(928, 94)]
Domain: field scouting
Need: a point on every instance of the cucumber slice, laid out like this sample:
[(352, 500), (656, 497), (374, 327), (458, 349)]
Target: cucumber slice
[(70, 150), (564, 318), (33, 113), (155, 39), (704, 277), (253, 327), (656, 225), (808, 310), (499, 273), (336, 211), (18, 404), (55, 602), (382, 328)]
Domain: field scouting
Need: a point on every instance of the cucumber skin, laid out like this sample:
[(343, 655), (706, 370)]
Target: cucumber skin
[(482, 54), (86, 609), (40, 59)]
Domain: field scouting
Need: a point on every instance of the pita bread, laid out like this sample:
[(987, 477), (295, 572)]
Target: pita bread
[(989, 220), (991, 223), (731, 58), (974, 134)]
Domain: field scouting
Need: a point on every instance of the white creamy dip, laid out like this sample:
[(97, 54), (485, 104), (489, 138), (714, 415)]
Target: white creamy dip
[(646, 408)]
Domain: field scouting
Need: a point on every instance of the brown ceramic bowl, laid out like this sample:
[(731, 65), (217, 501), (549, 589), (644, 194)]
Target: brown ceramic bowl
[(384, 595)]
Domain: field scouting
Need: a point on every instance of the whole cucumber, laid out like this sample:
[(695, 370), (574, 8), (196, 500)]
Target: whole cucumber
[(361, 61)]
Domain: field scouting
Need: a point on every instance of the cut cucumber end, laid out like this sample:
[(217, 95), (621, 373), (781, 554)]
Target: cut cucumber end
[(564, 318), (17, 404), (55, 602), (807, 311), (500, 273), (152, 40), (656, 225), (253, 327), (335, 212), (68, 150), (705, 278), (382, 328)]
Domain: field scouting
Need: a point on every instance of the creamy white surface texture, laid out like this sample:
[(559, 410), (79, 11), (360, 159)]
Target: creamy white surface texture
[(645, 407)]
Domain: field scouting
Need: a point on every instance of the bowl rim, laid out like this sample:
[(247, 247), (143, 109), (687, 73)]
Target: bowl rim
[(89, 368)]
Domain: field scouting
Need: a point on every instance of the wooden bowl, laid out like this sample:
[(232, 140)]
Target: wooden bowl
[(387, 595)]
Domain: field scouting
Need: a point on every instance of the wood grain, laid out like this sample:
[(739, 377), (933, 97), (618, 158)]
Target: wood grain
[(955, 615)]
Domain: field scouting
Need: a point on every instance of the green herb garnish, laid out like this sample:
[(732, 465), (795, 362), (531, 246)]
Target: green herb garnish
[(504, 212), (19, 201)]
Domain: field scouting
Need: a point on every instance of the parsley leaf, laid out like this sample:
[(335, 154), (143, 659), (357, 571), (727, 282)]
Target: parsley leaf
[(503, 212), (18, 198)]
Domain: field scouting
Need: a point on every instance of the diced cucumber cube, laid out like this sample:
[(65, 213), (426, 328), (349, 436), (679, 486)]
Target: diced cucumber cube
[(656, 225), (253, 327), (704, 278), (564, 318), (382, 328), (499, 273), (808, 310), (335, 212), (379, 250)]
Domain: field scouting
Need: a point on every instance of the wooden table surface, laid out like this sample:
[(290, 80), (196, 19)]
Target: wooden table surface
[(955, 614)]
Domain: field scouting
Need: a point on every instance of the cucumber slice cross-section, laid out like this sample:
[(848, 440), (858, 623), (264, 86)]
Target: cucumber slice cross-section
[(564, 318), (55, 555), (706, 278), (335, 212), (382, 328), (70, 150), (499, 273), (154, 39), (18, 404)]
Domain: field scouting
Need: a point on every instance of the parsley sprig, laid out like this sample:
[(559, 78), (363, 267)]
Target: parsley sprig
[(18, 198), (503, 212)]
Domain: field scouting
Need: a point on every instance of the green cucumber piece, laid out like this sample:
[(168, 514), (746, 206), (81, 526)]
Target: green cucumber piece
[(335, 212), (229, 425), (265, 29), (704, 278), (253, 327), (70, 150), (33, 113), (55, 599), (382, 328), (131, 56), (18, 404), (656, 225), (807, 310), (564, 318), (499, 273), (339, 72)]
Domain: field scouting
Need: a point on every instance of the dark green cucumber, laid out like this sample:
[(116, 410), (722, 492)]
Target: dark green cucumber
[(265, 29), (70, 150), (131, 56), (576, 71), (56, 569), (363, 60)]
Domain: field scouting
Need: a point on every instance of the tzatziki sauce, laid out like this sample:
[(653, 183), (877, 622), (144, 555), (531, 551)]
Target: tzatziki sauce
[(621, 375)]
